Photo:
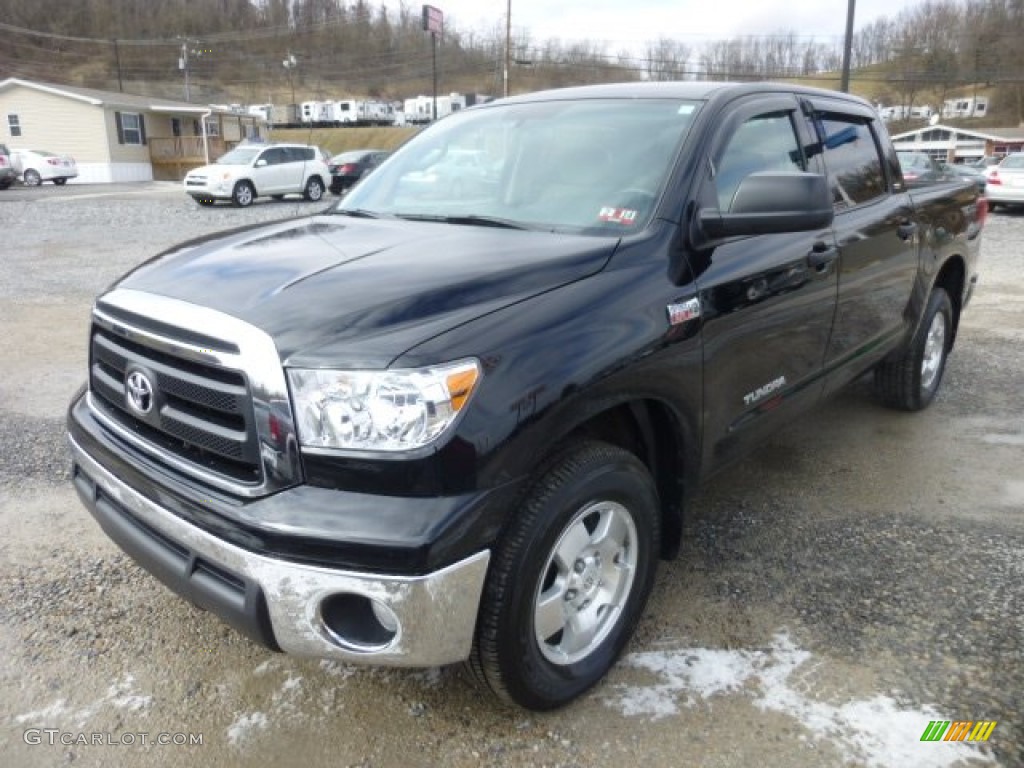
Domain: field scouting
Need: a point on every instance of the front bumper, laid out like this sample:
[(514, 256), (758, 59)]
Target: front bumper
[(209, 190), (300, 609)]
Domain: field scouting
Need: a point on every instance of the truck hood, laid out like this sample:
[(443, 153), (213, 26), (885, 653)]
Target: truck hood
[(336, 290)]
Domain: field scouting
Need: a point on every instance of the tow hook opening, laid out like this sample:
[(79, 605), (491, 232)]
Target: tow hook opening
[(358, 623)]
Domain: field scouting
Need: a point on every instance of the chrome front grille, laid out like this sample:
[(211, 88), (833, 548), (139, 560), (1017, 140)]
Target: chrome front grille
[(219, 410), (200, 413)]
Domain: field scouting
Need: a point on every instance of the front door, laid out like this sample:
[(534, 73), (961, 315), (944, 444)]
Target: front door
[(767, 301)]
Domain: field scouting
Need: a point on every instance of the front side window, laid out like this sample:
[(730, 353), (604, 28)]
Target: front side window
[(14, 125), (854, 165), (274, 156), (594, 166), (763, 143)]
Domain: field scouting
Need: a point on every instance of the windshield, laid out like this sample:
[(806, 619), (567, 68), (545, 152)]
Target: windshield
[(588, 165), (239, 156)]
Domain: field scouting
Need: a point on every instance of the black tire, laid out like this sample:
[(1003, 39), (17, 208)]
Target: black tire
[(586, 487), (314, 191), (5, 184), (60, 182), (910, 380), (31, 178), (243, 194)]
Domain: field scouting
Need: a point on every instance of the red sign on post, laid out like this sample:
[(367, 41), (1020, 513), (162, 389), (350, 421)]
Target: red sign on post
[(433, 19)]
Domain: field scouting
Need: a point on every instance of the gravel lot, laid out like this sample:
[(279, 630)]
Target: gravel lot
[(856, 578)]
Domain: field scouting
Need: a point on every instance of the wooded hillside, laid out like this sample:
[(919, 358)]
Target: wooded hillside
[(235, 51)]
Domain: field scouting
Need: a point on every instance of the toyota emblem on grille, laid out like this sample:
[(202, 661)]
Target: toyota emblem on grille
[(140, 392)]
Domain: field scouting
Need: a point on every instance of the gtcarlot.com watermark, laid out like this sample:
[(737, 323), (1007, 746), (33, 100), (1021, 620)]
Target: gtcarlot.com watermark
[(55, 737)]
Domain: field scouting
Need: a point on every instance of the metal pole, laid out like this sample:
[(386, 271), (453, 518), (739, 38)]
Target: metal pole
[(184, 60), (433, 39), (508, 46), (847, 47), (117, 58)]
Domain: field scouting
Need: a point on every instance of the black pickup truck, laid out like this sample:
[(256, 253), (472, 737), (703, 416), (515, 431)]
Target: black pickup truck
[(457, 417)]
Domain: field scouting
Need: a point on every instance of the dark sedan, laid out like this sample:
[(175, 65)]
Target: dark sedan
[(966, 172), (920, 168), (348, 167)]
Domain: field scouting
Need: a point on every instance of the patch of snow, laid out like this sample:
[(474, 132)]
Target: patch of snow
[(875, 732), (120, 695), (244, 725)]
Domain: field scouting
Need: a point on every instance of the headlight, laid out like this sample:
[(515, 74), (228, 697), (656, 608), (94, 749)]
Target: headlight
[(396, 410)]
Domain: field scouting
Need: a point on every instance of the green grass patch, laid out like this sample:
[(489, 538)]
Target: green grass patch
[(336, 140)]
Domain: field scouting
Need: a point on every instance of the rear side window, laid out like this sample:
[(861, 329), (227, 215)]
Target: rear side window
[(854, 164)]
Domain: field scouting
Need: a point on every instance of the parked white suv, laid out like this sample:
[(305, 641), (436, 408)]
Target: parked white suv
[(251, 170)]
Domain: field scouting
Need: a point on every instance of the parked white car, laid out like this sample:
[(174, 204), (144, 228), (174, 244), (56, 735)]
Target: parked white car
[(253, 170), (37, 165)]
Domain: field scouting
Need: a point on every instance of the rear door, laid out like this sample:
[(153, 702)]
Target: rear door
[(877, 235), (296, 161), (767, 301)]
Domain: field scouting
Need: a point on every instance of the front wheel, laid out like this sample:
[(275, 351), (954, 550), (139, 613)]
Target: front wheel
[(31, 178), (243, 194), (569, 579), (314, 190), (910, 381)]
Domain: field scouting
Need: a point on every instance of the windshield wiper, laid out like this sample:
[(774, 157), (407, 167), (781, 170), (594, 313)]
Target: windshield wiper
[(357, 213), (468, 219)]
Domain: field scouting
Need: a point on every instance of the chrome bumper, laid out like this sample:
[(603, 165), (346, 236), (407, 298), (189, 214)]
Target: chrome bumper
[(435, 614)]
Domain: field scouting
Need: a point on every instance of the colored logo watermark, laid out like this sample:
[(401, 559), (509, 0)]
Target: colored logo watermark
[(958, 730)]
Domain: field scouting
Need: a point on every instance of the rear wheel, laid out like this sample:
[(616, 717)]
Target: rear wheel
[(569, 578), (243, 194), (31, 178), (911, 380), (60, 182)]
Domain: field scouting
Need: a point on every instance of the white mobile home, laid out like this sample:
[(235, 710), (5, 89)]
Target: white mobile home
[(965, 107), (118, 136)]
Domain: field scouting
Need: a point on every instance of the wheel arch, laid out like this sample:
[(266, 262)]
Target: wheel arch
[(655, 433), (952, 278)]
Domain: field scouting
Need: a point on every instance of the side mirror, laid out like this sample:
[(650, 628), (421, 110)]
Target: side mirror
[(768, 203)]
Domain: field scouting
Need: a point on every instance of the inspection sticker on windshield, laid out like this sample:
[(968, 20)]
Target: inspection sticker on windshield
[(617, 215)]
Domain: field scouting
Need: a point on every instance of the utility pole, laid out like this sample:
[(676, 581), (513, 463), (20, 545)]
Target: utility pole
[(508, 46), (847, 47)]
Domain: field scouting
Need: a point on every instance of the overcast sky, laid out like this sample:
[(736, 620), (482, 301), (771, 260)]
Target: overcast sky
[(631, 23)]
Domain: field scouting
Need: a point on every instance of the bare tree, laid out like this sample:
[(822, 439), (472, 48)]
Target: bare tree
[(667, 59)]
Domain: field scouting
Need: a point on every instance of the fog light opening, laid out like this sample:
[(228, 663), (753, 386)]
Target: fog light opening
[(358, 622)]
